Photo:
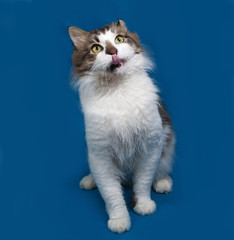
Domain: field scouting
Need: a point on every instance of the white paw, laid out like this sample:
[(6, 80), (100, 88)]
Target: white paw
[(145, 207), (119, 225), (87, 182), (163, 185)]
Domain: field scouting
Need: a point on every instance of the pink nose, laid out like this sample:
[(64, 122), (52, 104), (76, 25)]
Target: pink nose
[(113, 52)]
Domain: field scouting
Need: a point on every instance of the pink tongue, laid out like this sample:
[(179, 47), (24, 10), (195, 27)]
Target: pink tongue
[(115, 59)]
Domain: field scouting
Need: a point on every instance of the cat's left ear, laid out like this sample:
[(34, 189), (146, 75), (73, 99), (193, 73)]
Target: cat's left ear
[(78, 36), (121, 24)]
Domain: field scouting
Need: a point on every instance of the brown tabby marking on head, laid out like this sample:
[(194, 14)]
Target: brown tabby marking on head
[(134, 41), (96, 39), (83, 56)]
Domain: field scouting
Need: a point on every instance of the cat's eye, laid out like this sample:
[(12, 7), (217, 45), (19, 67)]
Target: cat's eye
[(97, 48), (119, 39)]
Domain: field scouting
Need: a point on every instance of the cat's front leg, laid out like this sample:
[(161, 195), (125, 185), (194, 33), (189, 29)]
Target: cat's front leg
[(106, 176), (142, 181)]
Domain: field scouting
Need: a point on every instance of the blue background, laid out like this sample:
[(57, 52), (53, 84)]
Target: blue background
[(42, 146)]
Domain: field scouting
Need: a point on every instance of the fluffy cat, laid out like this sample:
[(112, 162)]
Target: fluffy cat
[(128, 130)]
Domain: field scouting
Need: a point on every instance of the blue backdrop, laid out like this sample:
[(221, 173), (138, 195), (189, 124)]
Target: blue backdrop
[(42, 146)]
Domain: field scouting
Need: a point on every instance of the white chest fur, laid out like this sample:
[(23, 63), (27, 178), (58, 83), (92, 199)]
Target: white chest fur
[(124, 118)]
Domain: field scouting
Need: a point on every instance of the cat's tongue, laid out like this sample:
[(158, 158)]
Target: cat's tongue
[(116, 60)]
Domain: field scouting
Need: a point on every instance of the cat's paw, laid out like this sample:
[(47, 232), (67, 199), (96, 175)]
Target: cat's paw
[(119, 225), (163, 185), (145, 207), (88, 182)]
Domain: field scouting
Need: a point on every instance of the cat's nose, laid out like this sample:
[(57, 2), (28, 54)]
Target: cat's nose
[(110, 49), (113, 52)]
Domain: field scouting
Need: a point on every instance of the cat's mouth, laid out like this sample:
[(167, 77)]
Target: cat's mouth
[(116, 62)]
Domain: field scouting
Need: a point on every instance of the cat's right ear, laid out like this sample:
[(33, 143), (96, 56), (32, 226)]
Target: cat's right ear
[(78, 36)]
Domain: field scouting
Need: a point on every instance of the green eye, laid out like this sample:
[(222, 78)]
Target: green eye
[(97, 48), (119, 39)]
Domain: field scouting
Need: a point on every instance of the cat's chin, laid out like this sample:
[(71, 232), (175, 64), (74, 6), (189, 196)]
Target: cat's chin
[(115, 67)]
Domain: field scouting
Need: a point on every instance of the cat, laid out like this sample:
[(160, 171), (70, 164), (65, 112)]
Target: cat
[(129, 133)]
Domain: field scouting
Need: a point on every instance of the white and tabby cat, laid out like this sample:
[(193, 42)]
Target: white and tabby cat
[(128, 130)]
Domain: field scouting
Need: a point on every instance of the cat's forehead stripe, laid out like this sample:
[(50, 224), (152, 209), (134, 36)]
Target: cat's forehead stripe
[(96, 39)]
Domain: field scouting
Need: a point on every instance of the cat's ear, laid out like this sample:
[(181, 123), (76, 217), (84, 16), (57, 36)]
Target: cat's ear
[(121, 24), (78, 36)]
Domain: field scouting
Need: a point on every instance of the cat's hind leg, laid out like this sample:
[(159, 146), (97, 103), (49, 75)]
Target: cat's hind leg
[(163, 182), (88, 182), (163, 185)]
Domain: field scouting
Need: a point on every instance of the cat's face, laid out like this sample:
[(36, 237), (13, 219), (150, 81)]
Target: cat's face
[(108, 49)]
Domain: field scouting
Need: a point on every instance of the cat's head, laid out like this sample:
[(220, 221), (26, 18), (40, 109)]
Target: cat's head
[(108, 49)]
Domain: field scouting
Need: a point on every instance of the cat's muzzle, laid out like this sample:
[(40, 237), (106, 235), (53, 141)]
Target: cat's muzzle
[(116, 62)]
